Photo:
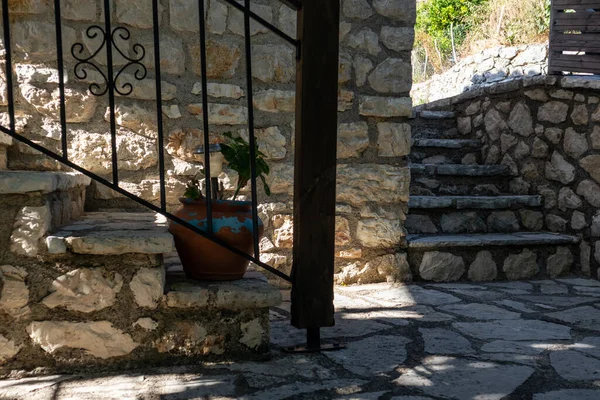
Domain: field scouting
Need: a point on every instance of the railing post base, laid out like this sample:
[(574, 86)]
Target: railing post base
[(313, 344)]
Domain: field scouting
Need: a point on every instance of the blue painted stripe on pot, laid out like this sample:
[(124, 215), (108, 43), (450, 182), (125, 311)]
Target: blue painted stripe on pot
[(233, 223)]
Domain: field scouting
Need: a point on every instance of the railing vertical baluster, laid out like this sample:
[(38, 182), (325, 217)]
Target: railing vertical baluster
[(61, 79), (205, 121), (252, 139), (159, 118), (111, 93), (9, 76)]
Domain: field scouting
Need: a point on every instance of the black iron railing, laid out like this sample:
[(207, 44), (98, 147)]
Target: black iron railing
[(113, 85)]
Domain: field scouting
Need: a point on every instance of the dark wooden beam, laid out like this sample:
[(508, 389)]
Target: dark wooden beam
[(315, 164)]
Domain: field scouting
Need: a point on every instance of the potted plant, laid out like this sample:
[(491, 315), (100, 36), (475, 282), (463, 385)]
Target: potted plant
[(232, 220)]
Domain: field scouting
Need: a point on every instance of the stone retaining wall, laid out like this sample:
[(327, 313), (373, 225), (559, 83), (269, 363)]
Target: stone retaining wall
[(546, 129), (375, 79), (483, 69)]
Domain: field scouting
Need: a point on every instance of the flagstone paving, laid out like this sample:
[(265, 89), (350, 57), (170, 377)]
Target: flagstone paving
[(537, 340)]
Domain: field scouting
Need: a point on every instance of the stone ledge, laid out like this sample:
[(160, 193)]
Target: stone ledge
[(460, 170), (21, 182), (113, 234), (252, 291), (473, 202), (447, 143), (489, 239)]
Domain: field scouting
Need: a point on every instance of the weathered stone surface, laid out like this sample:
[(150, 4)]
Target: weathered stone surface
[(397, 38), (532, 220), (273, 63), (358, 184), (556, 223), (471, 380), (353, 139), (148, 286), (236, 20), (37, 40), (270, 141), (93, 151), (568, 394), (567, 199), (186, 295), (385, 107), (590, 191), (521, 266), (84, 290), (503, 221), (394, 140), (216, 19), (592, 165), (483, 312), (147, 324), (462, 222), (362, 67), (558, 169), (585, 317), (578, 220), (219, 90), (30, 225), (221, 114), (580, 116), (15, 293), (559, 263), (380, 232), (392, 76), (444, 341), (136, 13), (281, 178), (8, 349), (419, 224), (494, 124), (139, 119), (357, 9), (397, 10), (388, 268), (575, 144), (553, 111), (483, 268), (520, 120), (222, 58), (366, 41), (574, 366), (441, 267), (99, 339), (253, 333), (184, 15), (117, 242), (171, 111), (540, 148), (172, 54), (514, 330), (388, 353), (80, 106), (275, 101)]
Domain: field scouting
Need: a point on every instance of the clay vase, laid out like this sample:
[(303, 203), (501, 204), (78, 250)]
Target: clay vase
[(203, 259)]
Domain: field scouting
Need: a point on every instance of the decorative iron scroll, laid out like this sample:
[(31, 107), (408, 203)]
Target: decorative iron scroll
[(133, 62)]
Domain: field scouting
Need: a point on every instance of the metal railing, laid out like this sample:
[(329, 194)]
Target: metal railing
[(112, 86)]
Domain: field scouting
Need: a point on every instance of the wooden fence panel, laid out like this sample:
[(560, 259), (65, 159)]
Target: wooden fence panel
[(574, 37)]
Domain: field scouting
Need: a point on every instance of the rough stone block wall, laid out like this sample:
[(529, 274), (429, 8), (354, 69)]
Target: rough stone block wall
[(375, 80), (486, 68), (546, 130)]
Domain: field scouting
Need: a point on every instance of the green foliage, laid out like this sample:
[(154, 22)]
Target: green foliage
[(192, 190), (237, 153)]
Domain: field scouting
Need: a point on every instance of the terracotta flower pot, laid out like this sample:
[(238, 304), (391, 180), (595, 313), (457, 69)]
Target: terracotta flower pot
[(203, 259)]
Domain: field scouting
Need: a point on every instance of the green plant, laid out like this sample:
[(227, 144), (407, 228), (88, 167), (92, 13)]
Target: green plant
[(237, 153)]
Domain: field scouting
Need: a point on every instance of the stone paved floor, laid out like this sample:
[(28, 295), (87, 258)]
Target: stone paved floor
[(535, 340)]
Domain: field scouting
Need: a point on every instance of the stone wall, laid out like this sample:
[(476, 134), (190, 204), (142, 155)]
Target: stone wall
[(375, 79), (546, 130), (486, 68)]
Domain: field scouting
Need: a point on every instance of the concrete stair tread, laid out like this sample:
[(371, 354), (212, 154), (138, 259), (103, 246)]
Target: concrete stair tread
[(428, 114), (474, 202), (459, 170), (489, 239), (22, 182), (447, 143), (113, 233), (252, 291)]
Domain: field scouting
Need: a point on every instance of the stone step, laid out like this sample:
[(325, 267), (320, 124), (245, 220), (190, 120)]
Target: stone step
[(474, 202), (431, 242), (492, 257), (428, 114), (438, 131), (457, 186), (447, 143), (24, 182), (113, 233), (459, 170)]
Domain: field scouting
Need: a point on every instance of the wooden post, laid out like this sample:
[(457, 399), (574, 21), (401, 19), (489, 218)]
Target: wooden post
[(315, 165)]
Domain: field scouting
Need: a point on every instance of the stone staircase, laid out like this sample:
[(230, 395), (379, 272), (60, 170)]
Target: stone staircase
[(464, 222), (104, 290)]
